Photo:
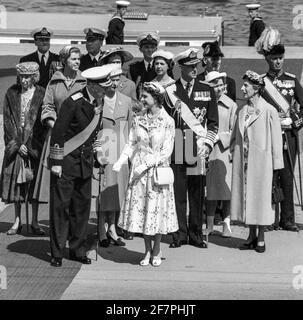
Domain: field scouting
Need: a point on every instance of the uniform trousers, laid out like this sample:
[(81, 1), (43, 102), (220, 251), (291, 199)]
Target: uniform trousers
[(286, 179), (193, 185), (70, 201)]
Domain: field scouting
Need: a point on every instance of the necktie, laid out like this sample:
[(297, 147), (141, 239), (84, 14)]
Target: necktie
[(95, 62), (43, 60), (187, 88), (149, 68)]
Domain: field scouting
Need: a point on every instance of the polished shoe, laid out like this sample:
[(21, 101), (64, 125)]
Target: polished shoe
[(37, 231), (117, 242), (56, 262), (146, 260), (199, 244), (104, 243), (157, 260), (13, 231), (260, 249), (291, 227), (128, 235), (84, 259), (249, 245)]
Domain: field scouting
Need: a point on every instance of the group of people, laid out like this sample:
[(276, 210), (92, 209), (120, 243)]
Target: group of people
[(145, 144)]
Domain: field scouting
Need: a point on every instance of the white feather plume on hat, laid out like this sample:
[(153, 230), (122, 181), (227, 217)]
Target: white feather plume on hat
[(268, 39)]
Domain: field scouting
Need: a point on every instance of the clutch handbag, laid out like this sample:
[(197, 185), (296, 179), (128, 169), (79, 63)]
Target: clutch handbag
[(163, 176)]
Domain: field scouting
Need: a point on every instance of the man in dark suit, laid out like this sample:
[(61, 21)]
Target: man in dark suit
[(201, 105), (115, 34), (42, 56), (143, 71), (94, 40), (212, 59), (257, 25), (71, 161)]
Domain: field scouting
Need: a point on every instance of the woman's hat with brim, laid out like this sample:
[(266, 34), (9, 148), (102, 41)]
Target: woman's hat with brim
[(213, 75), (27, 68), (99, 75), (163, 54), (126, 55), (254, 78)]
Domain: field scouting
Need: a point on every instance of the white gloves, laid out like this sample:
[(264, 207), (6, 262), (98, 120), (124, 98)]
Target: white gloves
[(118, 164), (286, 121)]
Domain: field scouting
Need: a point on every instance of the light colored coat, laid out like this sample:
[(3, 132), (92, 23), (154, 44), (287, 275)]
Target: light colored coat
[(127, 87), (218, 177), (264, 156), (116, 127)]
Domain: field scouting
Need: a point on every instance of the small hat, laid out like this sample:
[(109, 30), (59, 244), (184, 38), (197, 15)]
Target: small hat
[(116, 70), (122, 3), (126, 55), (213, 75), (212, 49), (269, 42), (27, 67), (94, 33), (148, 38), (187, 57), (42, 33), (253, 6), (154, 86), (254, 77), (163, 54), (99, 75)]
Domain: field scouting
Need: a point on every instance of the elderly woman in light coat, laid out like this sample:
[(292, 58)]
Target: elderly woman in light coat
[(218, 177), (256, 145)]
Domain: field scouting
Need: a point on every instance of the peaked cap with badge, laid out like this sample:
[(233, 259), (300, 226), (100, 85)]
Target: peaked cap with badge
[(148, 38), (42, 33), (94, 33), (188, 57)]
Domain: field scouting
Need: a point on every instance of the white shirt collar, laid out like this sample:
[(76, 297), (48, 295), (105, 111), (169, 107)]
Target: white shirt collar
[(184, 83), (97, 56), (46, 55), (147, 63)]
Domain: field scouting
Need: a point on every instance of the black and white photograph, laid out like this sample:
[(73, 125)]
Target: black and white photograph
[(151, 153)]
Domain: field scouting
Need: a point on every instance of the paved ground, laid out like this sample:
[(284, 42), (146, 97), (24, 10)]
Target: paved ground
[(219, 272)]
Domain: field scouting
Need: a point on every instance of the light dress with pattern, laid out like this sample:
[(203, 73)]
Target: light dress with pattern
[(147, 208)]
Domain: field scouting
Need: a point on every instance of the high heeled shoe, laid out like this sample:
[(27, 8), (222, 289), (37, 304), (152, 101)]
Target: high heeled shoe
[(249, 245), (157, 260), (14, 231), (260, 249), (145, 261)]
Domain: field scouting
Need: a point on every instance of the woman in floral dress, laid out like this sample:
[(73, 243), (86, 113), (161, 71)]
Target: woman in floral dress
[(148, 208)]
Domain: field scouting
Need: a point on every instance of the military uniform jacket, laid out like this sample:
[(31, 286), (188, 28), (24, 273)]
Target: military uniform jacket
[(45, 73), (202, 102), (290, 88), (256, 28), (139, 74), (75, 115), (230, 86), (115, 34), (86, 62)]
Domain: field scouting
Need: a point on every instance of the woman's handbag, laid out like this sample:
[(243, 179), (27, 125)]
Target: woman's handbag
[(25, 173), (163, 176), (277, 194)]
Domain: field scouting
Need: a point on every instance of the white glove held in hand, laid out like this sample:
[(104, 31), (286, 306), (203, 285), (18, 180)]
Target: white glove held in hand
[(286, 122), (118, 164)]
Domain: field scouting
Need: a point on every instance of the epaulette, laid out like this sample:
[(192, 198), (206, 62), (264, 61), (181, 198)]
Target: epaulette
[(290, 74), (77, 96)]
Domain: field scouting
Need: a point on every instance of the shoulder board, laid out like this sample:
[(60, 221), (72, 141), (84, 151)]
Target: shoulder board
[(290, 74), (77, 96)]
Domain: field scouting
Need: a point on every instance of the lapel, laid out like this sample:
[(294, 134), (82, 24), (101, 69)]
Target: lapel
[(242, 113), (255, 116), (33, 112), (86, 106), (225, 101), (120, 107), (181, 93), (36, 57), (14, 97), (123, 83)]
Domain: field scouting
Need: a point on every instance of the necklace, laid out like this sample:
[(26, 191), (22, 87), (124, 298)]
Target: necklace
[(153, 116)]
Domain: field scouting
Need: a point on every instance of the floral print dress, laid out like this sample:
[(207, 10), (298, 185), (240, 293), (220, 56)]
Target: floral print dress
[(148, 208)]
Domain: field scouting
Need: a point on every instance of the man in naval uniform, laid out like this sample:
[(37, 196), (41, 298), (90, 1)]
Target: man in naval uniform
[(94, 40), (257, 25), (71, 162), (283, 90), (200, 102), (115, 34), (143, 71), (42, 56), (212, 59)]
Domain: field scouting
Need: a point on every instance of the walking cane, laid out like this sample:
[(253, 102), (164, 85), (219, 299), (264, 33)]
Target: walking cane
[(98, 209), (26, 207), (292, 168)]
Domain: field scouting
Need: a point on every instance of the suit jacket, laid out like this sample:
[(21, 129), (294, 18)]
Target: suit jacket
[(207, 108), (75, 115), (230, 86), (45, 72), (86, 62), (127, 87)]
